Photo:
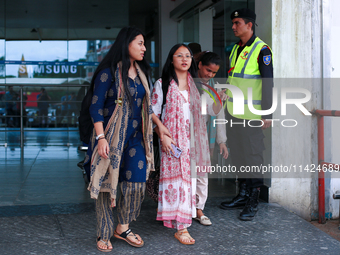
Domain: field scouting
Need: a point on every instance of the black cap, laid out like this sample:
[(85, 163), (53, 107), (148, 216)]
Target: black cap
[(243, 13)]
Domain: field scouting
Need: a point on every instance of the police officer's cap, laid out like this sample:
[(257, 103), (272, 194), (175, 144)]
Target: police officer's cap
[(243, 13)]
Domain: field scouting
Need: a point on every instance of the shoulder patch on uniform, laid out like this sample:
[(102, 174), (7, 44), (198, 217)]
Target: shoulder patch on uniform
[(267, 59), (266, 47)]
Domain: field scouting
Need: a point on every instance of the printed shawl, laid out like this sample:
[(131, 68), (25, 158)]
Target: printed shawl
[(177, 198), (105, 172), (199, 148)]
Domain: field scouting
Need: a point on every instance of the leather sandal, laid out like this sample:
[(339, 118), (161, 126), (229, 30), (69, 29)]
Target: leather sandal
[(124, 235), (178, 236)]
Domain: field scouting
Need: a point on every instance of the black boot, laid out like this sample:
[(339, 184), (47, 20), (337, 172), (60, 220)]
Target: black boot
[(250, 209), (239, 201)]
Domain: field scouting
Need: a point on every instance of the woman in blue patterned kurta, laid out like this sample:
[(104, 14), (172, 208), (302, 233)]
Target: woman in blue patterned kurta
[(133, 166), (121, 145)]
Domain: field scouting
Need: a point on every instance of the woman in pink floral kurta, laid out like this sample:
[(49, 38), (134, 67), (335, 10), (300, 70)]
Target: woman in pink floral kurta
[(181, 114)]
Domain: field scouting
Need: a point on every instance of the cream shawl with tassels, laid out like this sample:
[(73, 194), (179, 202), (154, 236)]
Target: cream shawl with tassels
[(105, 172)]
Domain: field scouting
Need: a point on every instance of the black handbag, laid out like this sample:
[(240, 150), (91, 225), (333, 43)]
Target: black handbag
[(84, 119), (152, 184)]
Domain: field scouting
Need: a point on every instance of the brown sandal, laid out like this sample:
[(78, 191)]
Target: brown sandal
[(124, 236), (179, 234)]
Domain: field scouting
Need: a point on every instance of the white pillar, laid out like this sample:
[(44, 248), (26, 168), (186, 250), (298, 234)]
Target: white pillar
[(297, 46)]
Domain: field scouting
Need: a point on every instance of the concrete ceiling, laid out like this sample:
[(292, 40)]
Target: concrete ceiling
[(68, 19)]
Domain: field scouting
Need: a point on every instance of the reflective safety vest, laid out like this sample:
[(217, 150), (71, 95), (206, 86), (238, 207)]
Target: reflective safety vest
[(246, 74)]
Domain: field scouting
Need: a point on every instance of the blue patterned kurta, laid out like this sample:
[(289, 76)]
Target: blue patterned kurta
[(133, 163)]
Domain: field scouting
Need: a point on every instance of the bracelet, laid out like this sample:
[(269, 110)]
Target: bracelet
[(101, 138), (97, 137)]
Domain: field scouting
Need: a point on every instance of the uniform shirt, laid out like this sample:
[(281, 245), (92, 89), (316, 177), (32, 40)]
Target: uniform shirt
[(266, 73)]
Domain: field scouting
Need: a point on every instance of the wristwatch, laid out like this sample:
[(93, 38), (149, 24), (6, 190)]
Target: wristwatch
[(100, 135)]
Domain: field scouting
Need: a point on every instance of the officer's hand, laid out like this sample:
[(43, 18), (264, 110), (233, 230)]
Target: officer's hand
[(266, 124)]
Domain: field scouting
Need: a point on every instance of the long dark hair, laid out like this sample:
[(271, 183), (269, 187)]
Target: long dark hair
[(120, 52), (169, 73)]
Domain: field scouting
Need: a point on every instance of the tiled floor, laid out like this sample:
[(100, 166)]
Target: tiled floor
[(46, 175), (71, 229), (45, 205)]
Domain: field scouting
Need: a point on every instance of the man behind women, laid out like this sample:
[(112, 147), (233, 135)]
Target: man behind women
[(120, 149), (250, 62), (196, 50)]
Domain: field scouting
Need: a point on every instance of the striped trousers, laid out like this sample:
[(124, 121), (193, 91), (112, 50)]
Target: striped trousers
[(128, 207)]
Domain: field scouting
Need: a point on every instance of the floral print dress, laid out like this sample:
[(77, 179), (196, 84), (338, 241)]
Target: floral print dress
[(177, 190)]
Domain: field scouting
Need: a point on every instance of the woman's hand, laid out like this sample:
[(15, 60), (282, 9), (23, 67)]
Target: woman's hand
[(222, 94), (166, 144), (103, 148), (162, 131), (164, 135), (224, 150)]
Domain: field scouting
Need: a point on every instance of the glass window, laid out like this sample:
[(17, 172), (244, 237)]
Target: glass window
[(53, 63), (188, 29), (2, 59)]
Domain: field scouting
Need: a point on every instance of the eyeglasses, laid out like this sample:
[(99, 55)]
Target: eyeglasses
[(183, 56)]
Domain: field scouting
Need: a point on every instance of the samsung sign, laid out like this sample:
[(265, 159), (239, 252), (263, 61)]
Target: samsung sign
[(56, 69)]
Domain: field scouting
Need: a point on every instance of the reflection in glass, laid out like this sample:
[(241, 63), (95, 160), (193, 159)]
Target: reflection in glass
[(77, 50), (37, 51), (2, 59), (2, 107)]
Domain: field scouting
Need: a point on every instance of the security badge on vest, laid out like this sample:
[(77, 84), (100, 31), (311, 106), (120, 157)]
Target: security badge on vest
[(244, 54), (246, 74)]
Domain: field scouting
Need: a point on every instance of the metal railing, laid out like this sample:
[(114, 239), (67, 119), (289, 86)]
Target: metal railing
[(321, 159), (21, 102)]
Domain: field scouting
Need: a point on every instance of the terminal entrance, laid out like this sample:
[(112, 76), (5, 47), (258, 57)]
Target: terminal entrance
[(48, 54)]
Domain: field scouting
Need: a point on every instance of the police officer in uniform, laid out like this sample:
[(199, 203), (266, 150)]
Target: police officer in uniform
[(250, 67)]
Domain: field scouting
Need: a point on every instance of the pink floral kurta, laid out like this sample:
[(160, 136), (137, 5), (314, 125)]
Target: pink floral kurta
[(177, 190)]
